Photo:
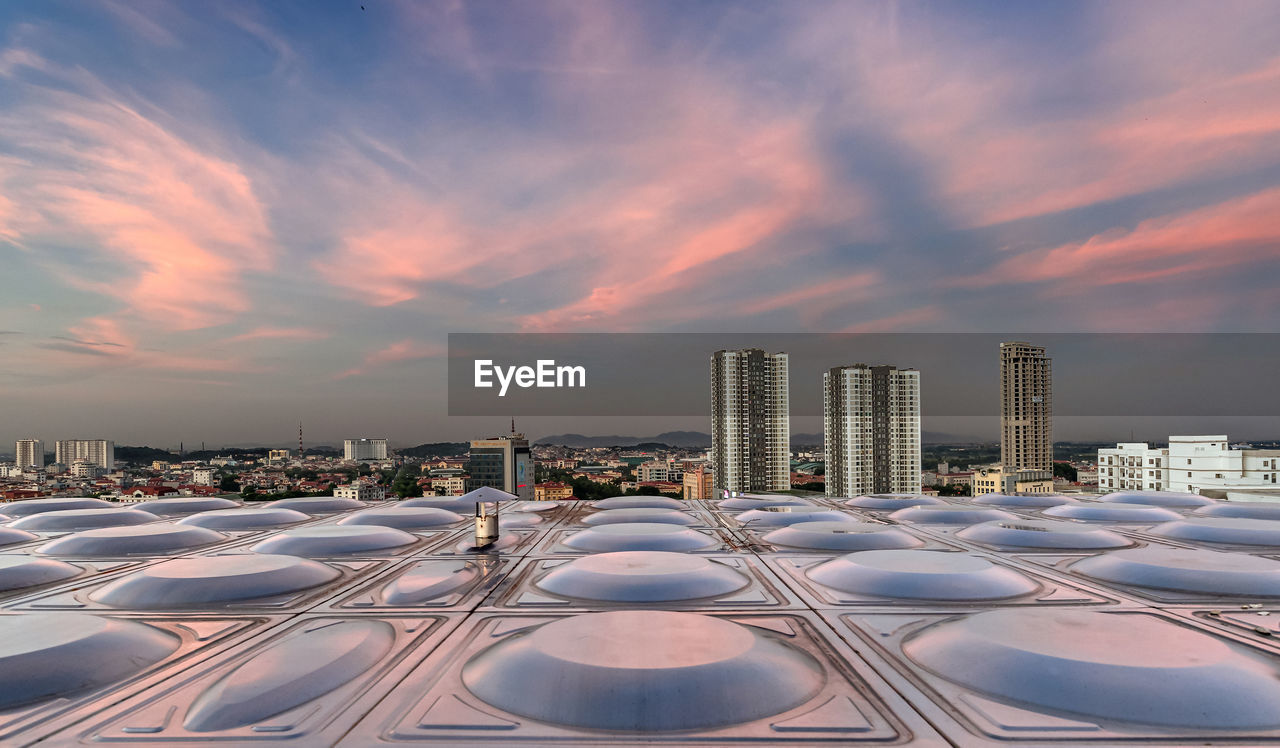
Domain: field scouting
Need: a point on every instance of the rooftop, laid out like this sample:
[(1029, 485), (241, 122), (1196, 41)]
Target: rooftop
[(756, 620)]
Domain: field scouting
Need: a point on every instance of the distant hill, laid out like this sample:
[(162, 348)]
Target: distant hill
[(926, 437), (688, 439), (144, 455), (435, 449)]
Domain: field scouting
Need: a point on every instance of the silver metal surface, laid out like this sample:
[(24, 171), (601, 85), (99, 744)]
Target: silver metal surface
[(1012, 621)]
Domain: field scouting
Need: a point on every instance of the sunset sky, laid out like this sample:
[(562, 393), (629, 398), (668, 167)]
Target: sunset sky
[(220, 218)]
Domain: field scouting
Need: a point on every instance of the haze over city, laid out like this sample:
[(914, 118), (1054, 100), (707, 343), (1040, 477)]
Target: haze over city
[(218, 220)]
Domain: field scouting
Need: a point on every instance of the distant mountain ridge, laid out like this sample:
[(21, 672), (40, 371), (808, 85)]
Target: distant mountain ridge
[(670, 438), (689, 439)]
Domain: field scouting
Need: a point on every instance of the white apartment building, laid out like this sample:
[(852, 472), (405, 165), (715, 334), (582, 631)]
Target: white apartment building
[(750, 420), (657, 470), (360, 491), (84, 468), (871, 430), (1132, 466), (364, 449), (29, 453), (1190, 464), (452, 485), (101, 452), (203, 476)]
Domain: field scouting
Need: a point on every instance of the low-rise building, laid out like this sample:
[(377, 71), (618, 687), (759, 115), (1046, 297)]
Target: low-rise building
[(652, 471), (956, 478), (662, 486), (553, 491), (1190, 464), (360, 491), (84, 468), (999, 480), (697, 484), (449, 485)]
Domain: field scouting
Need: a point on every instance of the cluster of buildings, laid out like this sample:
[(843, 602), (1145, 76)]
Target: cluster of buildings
[(871, 424), (1207, 465), (29, 454), (871, 444)]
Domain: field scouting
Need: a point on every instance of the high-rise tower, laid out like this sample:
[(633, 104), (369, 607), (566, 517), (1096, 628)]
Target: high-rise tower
[(30, 453), (750, 420), (871, 430), (101, 452), (1026, 407)]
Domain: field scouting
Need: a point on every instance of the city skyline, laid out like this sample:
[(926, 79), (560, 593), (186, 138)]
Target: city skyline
[(285, 208)]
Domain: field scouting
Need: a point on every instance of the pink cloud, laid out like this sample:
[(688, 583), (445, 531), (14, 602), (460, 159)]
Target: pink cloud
[(1211, 239), (102, 344), (925, 315), (278, 333), (400, 351), (642, 209), (816, 298), (180, 224), (1196, 103)]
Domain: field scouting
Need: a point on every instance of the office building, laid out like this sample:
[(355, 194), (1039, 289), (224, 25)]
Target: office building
[(871, 430), (276, 456), (1190, 464), (101, 452), (1026, 407), (504, 463), (29, 453), (750, 420), (364, 449)]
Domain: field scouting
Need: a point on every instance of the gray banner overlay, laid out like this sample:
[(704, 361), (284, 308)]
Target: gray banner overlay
[(668, 374)]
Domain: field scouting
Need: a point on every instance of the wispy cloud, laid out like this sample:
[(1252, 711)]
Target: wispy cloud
[(178, 226), (398, 352), (278, 333), (1214, 239)]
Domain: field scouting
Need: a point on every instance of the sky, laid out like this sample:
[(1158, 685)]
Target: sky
[(220, 219)]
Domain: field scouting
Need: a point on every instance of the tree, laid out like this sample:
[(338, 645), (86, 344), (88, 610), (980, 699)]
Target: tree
[(228, 483), (405, 485), (1065, 470)]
